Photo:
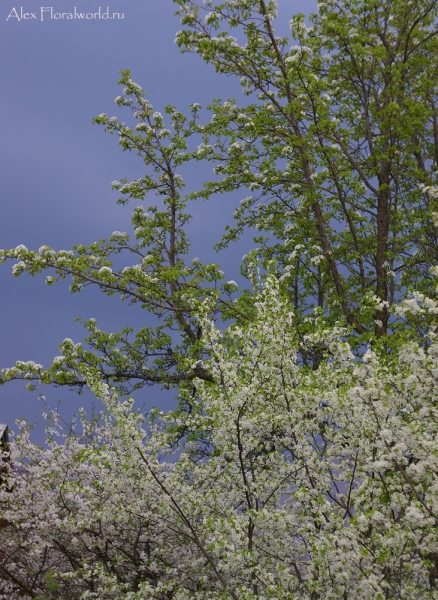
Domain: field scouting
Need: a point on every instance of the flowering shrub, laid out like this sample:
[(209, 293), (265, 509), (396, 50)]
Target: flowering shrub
[(289, 482)]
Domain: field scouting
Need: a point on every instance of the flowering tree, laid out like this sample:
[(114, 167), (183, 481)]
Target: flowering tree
[(302, 466), (335, 142), (337, 145), (306, 484)]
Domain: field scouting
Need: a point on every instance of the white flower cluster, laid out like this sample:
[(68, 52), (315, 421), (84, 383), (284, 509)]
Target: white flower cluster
[(329, 469)]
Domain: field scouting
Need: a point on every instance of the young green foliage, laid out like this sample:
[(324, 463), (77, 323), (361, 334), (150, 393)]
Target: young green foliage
[(157, 275), (337, 143)]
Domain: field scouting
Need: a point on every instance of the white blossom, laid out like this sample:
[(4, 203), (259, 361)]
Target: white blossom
[(350, 445)]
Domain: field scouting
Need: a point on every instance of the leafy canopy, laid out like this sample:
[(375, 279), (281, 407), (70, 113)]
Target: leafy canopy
[(336, 143)]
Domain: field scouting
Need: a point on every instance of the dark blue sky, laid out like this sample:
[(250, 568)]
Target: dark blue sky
[(57, 167)]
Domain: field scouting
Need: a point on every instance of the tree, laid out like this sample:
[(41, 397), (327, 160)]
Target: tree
[(319, 483), (337, 143), (295, 468)]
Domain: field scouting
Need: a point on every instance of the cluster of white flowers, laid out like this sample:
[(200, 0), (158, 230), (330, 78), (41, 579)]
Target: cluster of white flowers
[(19, 267), (118, 234), (143, 127), (333, 471), (430, 190)]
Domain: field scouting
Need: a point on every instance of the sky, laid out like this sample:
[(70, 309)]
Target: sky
[(57, 168)]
